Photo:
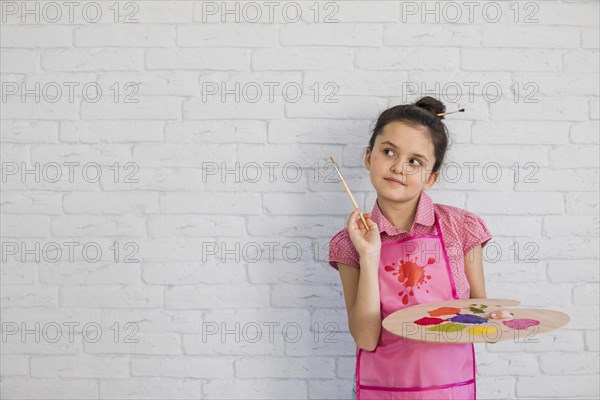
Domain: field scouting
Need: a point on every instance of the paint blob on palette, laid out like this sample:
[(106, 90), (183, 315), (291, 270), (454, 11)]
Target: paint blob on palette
[(472, 321)]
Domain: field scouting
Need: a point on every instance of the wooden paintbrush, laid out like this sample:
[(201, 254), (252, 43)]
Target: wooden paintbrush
[(451, 112), (349, 193)]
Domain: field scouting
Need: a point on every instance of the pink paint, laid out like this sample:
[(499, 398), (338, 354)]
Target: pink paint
[(429, 321), (521, 323)]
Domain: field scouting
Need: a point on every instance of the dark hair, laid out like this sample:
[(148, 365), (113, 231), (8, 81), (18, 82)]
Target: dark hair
[(422, 113)]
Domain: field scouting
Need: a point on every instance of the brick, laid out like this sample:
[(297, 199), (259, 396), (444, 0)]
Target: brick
[(14, 365), (147, 108), (138, 343), (307, 58), (190, 273), (36, 36), (559, 386), (158, 83), (532, 178), (217, 203), (489, 156), (255, 388), (506, 364), (234, 108), (577, 14), (555, 225), (183, 367), (25, 226), (430, 35), (520, 132), (154, 320), (30, 296), (208, 59), (406, 59), (14, 273), (27, 388), (92, 59), (582, 61), (515, 203), (592, 340), (331, 35), (285, 367), (358, 11), (578, 271), (29, 131), (102, 367), (549, 109), (235, 343), (586, 294), (101, 226), (511, 59), (590, 37), (111, 296), (143, 388), (330, 389), (577, 156), (126, 35), (89, 274), (13, 108), (533, 36), (227, 35), (284, 203), (219, 131), (84, 155), (44, 315), (111, 131), (217, 296), (349, 107), (18, 61), (585, 132), (355, 83)]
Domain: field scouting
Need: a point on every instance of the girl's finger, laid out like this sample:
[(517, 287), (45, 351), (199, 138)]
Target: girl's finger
[(351, 220)]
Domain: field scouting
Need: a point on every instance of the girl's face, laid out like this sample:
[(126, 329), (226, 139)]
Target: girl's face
[(403, 153)]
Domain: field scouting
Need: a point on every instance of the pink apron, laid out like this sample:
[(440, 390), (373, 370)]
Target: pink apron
[(412, 271)]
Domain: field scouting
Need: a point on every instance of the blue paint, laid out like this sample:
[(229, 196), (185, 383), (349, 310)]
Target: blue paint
[(468, 319)]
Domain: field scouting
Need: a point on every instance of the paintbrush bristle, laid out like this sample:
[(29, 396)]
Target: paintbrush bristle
[(331, 158)]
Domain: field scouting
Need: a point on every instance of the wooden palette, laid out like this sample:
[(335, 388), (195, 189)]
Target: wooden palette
[(468, 321)]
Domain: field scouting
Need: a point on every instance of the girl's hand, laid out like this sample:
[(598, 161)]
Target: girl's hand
[(368, 244)]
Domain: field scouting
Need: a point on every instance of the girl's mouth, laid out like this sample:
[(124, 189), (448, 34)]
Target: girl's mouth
[(394, 181)]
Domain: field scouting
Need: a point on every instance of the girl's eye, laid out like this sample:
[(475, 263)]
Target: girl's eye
[(416, 160), (384, 151)]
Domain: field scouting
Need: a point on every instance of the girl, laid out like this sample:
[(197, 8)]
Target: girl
[(415, 251)]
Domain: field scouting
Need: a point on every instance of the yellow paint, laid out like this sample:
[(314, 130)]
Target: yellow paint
[(482, 330)]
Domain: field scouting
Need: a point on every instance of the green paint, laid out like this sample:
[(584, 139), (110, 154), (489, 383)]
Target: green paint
[(447, 328), (477, 310)]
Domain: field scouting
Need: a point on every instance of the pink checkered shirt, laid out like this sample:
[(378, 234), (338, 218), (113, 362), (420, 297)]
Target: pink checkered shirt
[(462, 230)]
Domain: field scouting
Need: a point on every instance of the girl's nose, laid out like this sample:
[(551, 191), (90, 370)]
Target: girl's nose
[(397, 168)]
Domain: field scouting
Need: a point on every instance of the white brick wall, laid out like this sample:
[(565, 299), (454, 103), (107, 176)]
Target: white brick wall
[(123, 212)]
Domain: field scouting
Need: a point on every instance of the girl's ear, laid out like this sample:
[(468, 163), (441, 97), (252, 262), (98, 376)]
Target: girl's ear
[(368, 159), (432, 180)]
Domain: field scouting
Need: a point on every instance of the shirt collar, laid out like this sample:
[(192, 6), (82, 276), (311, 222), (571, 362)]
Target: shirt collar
[(423, 216)]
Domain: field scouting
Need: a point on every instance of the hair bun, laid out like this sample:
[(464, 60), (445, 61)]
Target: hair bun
[(432, 105)]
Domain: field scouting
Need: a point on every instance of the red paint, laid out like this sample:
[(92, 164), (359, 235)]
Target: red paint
[(410, 274), (429, 321), (444, 311)]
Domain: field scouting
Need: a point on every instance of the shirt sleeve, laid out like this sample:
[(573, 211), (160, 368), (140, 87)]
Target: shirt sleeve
[(341, 249), (475, 232)]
